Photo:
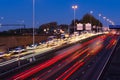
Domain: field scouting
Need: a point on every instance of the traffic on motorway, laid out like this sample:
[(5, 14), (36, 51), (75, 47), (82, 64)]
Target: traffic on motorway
[(51, 42), (64, 65)]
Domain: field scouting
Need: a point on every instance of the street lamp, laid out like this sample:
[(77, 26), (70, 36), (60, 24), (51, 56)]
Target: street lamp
[(104, 18), (107, 22), (22, 23), (91, 12), (74, 7), (112, 23), (1, 18), (33, 24), (0, 24), (99, 22), (33, 16)]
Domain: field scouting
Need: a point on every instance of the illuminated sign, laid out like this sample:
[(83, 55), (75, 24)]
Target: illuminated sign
[(79, 26), (88, 26)]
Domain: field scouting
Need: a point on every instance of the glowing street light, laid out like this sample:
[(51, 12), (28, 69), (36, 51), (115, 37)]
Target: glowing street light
[(112, 22), (74, 7), (1, 18), (0, 24), (99, 22), (104, 18), (91, 12), (107, 19), (99, 15)]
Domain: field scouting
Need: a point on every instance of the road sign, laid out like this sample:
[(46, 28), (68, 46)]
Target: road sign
[(88, 26), (114, 26), (79, 26)]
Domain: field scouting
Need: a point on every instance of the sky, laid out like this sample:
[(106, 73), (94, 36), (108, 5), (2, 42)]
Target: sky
[(60, 11)]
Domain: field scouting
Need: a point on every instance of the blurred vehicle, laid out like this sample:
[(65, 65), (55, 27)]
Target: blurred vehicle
[(76, 33), (62, 36), (18, 49), (1, 54), (32, 46), (51, 40), (8, 54)]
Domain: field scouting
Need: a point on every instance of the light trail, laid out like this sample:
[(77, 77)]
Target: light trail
[(48, 63)]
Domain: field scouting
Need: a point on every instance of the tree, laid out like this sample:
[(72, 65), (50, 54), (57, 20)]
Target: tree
[(64, 27), (48, 28), (88, 18), (76, 21)]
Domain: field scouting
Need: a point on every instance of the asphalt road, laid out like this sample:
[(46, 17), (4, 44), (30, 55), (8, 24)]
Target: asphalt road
[(15, 65), (112, 70), (62, 66), (79, 62), (94, 69), (89, 65)]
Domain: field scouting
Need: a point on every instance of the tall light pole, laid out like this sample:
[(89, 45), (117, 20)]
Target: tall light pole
[(91, 12), (104, 18), (107, 22), (99, 22), (33, 23), (21, 22), (74, 7), (1, 18), (33, 17)]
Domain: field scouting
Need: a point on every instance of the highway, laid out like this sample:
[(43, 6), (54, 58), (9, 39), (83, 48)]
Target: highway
[(112, 69), (64, 66), (24, 57), (40, 49), (73, 63), (41, 53), (93, 69)]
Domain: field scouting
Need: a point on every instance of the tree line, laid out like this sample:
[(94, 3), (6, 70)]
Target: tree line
[(53, 28)]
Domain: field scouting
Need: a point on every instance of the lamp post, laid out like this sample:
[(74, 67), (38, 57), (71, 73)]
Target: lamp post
[(99, 22), (33, 25), (107, 22), (21, 22), (91, 12), (0, 24), (104, 18), (1, 18), (74, 7), (112, 23)]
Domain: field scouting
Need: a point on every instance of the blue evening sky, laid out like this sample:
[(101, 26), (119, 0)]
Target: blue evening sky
[(15, 11)]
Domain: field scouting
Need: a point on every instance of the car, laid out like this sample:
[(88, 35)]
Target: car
[(32, 46), (1, 54), (18, 49)]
